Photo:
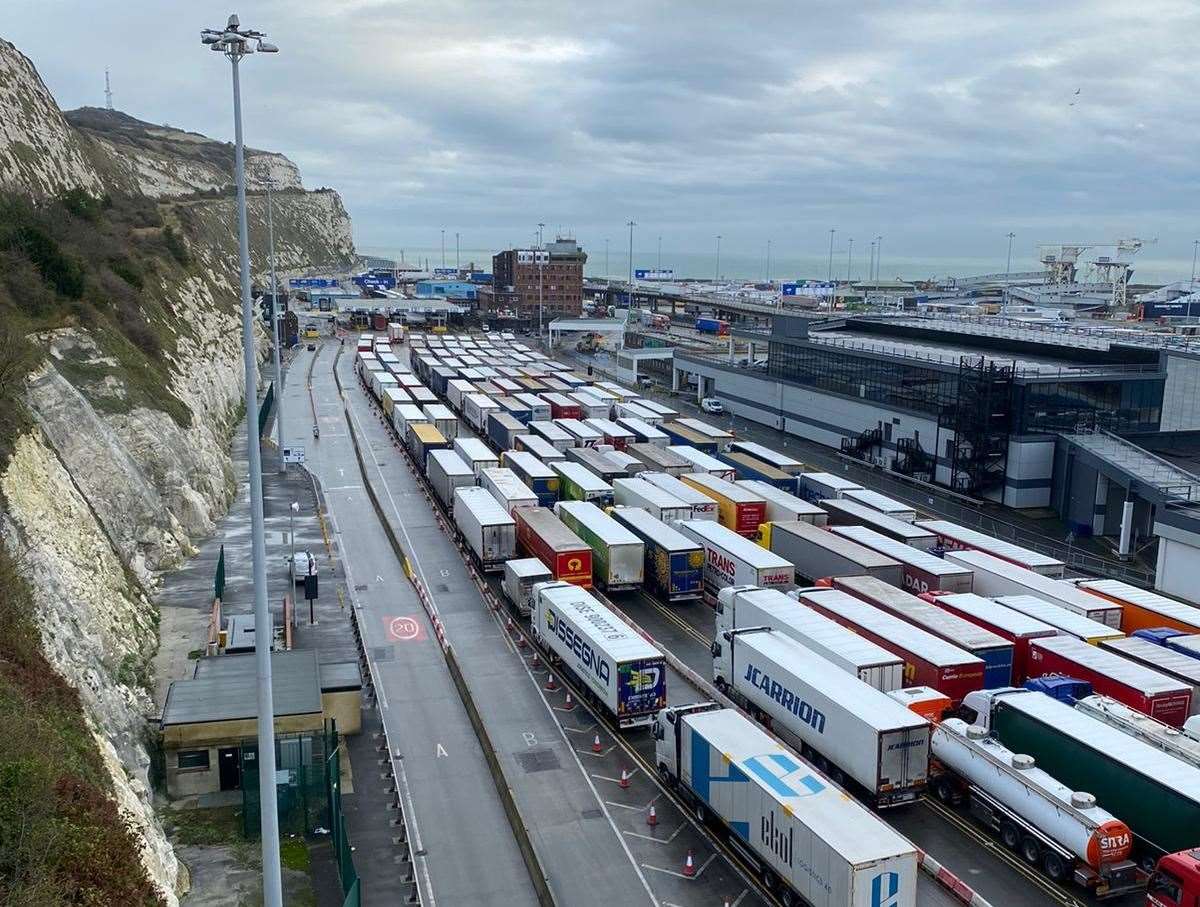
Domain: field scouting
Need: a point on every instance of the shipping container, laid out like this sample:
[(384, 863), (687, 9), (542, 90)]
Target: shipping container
[(590, 407), (442, 419), (533, 472), (539, 409), (674, 564), (739, 607), (660, 459), (1138, 687), (928, 660), (619, 668), (1142, 609), (1007, 623), (799, 830), (1155, 794), (486, 526), (995, 577), (539, 447), (618, 556), (704, 462), (780, 461), (782, 506), (896, 509), (703, 507), (562, 406), (738, 508), (612, 433), (475, 454), (817, 553), (597, 462), (661, 504), (543, 535), (502, 429), (831, 718), (552, 434), (747, 467), (817, 485), (1178, 667), (1066, 622), (406, 414), (996, 652), (420, 439), (733, 560), (643, 432), (446, 472), (510, 491), (923, 572), (847, 512), (581, 484), (476, 409), (582, 433), (952, 537)]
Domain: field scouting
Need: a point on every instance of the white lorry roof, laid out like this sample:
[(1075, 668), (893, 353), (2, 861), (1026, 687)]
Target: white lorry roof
[(597, 521), (1043, 586), (769, 492), (705, 462), (580, 475), (681, 490), (481, 502), (1058, 617), (732, 543), (659, 497), (767, 455), (899, 551), (984, 542), (880, 502), (726, 489), (1144, 598), (529, 463), (705, 428), (664, 535), (1126, 672), (1007, 619), (605, 630)]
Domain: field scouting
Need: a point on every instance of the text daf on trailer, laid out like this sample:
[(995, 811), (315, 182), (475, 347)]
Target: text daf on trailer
[(923, 572)]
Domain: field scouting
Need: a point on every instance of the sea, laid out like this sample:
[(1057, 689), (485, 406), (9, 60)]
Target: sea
[(737, 266)]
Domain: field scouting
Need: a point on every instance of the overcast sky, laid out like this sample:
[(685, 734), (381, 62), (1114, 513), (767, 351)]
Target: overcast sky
[(941, 125)]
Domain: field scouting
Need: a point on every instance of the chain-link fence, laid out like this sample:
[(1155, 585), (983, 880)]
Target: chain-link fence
[(343, 853), (300, 785)]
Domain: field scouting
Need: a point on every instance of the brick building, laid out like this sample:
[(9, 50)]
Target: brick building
[(517, 272)]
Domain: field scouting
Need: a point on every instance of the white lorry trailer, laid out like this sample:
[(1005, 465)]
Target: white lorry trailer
[(849, 730), (804, 837), (489, 531), (732, 560), (617, 667)]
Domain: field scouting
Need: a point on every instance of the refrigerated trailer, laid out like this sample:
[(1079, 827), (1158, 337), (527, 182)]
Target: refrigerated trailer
[(783, 507), (541, 479), (1063, 831), (552, 434), (1007, 623), (541, 534), (780, 461), (539, 409), (446, 471), (738, 508), (442, 419), (475, 454), (520, 576), (582, 433), (923, 572), (618, 556), (615, 435), (703, 507), (581, 484), (799, 832), (510, 491), (848, 512), (996, 652), (817, 485), (994, 577), (849, 729), (643, 431), (476, 408), (818, 553), (502, 428), (1139, 687), (1090, 631), (1155, 794), (1173, 664), (619, 669), (731, 560), (928, 660), (897, 510), (1142, 609), (952, 537), (674, 564), (739, 607), (703, 461), (539, 447), (659, 503), (659, 459), (486, 526)]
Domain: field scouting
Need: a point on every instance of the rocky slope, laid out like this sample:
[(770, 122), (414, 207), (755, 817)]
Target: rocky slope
[(134, 391)]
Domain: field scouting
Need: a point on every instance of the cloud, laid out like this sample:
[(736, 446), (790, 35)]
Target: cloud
[(941, 123)]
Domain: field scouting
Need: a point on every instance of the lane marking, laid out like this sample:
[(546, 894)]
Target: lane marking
[(674, 835), (680, 875)]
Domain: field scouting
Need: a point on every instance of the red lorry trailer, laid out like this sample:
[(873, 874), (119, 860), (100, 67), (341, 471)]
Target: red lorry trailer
[(543, 535), (1006, 623), (1141, 688), (928, 660)]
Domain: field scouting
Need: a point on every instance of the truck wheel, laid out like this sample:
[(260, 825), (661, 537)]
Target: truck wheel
[(1055, 866), (701, 812), (786, 897), (1010, 835), (665, 774), (1031, 851), (943, 789), (721, 685)]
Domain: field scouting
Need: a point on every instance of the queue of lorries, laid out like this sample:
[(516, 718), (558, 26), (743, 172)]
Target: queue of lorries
[(868, 649)]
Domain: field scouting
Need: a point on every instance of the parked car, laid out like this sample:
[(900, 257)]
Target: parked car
[(711, 405), (301, 564)]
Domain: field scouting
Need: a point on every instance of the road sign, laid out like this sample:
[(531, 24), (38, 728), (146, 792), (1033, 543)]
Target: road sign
[(293, 454), (404, 629)]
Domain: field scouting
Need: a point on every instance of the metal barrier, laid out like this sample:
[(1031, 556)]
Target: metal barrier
[(264, 408), (343, 853)]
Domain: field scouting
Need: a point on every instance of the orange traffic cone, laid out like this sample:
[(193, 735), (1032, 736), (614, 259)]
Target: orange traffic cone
[(570, 703), (689, 867), (550, 683), (652, 819), (624, 779), (536, 661), (521, 642), (596, 744)]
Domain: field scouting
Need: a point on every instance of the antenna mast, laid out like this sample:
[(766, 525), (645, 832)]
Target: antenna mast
[(107, 91)]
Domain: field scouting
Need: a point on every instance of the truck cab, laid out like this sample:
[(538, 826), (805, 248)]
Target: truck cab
[(1176, 881), (666, 730)]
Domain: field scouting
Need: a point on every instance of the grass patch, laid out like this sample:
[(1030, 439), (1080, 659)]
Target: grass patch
[(62, 839), (293, 854), (215, 825)]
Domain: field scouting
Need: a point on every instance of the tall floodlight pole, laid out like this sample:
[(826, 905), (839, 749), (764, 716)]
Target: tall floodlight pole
[(541, 227), (443, 248), (878, 254), (768, 261), (631, 225), (659, 266), (235, 42), (829, 277), (717, 277), (276, 331), (606, 271), (457, 252), (871, 264), (849, 257), (1195, 247), (1008, 261)]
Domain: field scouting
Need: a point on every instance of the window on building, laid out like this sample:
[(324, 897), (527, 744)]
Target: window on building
[(192, 759)]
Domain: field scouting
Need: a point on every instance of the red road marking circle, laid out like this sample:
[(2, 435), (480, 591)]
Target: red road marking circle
[(404, 629)]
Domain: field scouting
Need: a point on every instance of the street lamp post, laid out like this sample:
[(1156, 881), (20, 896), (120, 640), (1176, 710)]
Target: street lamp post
[(631, 225), (871, 264), (878, 254), (235, 42), (1195, 247), (717, 278), (276, 331), (1008, 260), (293, 509)]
